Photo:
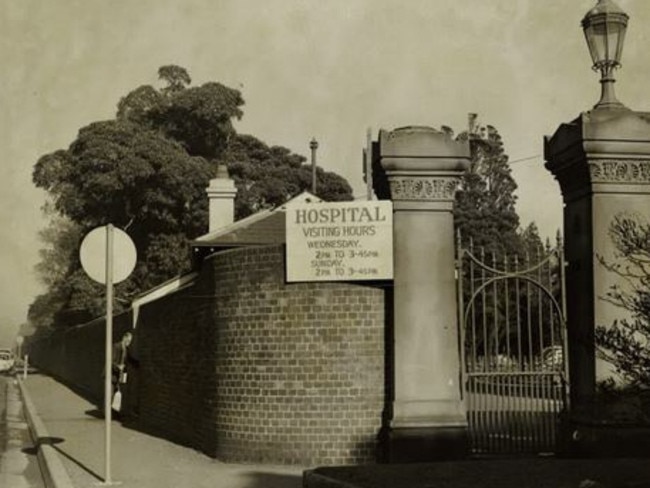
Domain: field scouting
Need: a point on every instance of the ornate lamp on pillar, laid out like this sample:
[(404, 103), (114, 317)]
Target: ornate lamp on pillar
[(605, 26), (602, 163)]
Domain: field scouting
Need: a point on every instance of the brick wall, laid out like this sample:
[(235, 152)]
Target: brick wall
[(299, 367), (248, 368), (76, 355), (175, 391)]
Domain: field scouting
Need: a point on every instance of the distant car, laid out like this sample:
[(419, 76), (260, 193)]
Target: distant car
[(19, 367), (553, 358), (6, 360)]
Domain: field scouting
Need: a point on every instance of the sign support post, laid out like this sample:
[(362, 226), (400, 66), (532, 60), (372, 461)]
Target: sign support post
[(109, 354), (103, 265)]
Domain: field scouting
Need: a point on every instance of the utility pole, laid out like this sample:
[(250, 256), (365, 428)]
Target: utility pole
[(368, 164), (313, 145), (472, 126)]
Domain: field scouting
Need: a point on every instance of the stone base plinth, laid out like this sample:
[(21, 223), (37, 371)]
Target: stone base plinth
[(606, 441), (425, 444)]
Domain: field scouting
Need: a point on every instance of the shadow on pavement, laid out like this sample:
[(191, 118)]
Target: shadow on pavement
[(95, 413), (42, 441), (260, 479), (53, 441)]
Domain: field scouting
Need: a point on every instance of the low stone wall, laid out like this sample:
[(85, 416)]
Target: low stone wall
[(248, 368)]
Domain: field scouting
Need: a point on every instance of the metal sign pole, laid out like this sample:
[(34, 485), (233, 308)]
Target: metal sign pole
[(97, 254), (109, 352)]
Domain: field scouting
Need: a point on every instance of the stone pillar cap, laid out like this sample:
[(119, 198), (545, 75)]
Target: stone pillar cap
[(601, 151), (421, 141), (418, 147)]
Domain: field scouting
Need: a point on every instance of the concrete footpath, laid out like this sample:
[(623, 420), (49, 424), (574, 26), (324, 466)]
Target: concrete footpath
[(18, 466), (69, 431), (71, 453)]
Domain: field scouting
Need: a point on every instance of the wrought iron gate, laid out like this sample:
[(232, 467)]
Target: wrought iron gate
[(512, 324)]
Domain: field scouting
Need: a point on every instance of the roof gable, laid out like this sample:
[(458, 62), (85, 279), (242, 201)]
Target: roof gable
[(266, 227)]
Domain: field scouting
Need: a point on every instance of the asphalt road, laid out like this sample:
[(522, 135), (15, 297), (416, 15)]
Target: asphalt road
[(18, 463)]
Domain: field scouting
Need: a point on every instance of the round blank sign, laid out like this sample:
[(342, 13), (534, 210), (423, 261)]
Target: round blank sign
[(93, 254)]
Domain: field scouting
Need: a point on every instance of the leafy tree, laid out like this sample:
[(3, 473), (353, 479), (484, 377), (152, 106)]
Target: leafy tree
[(626, 343), (485, 213), (61, 239), (177, 78), (146, 172), (120, 172), (485, 216), (531, 242), (267, 176), (128, 175), (199, 118)]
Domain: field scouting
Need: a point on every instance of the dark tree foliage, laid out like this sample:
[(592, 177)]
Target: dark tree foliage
[(267, 176), (121, 173), (176, 77), (486, 219), (146, 172), (199, 118), (61, 239), (484, 212), (626, 343)]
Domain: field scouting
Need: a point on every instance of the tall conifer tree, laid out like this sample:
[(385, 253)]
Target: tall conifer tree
[(485, 213)]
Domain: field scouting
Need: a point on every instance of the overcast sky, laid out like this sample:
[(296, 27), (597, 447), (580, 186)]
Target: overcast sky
[(306, 68)]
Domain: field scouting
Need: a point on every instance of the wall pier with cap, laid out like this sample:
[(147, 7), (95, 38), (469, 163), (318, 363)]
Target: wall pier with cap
[(427, 417), (602, 163)]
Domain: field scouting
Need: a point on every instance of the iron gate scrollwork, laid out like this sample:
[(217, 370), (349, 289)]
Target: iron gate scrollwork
[(513, 354)]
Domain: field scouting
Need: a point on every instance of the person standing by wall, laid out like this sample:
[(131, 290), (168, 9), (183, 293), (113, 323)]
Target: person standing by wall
[(121, 369)]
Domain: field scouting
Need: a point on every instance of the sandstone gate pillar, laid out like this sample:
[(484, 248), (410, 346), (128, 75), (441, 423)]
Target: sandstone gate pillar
[(602, 163), (423, 167)]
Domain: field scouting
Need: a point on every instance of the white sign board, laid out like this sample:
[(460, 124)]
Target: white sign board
[(340, 241), (92, 255)]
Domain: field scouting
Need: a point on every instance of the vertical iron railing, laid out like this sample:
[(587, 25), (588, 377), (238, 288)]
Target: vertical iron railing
[(512, 321)]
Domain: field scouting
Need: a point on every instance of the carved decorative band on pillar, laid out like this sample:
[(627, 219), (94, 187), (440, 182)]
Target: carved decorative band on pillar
[(619, 171), (423, 188), (423, 167)]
